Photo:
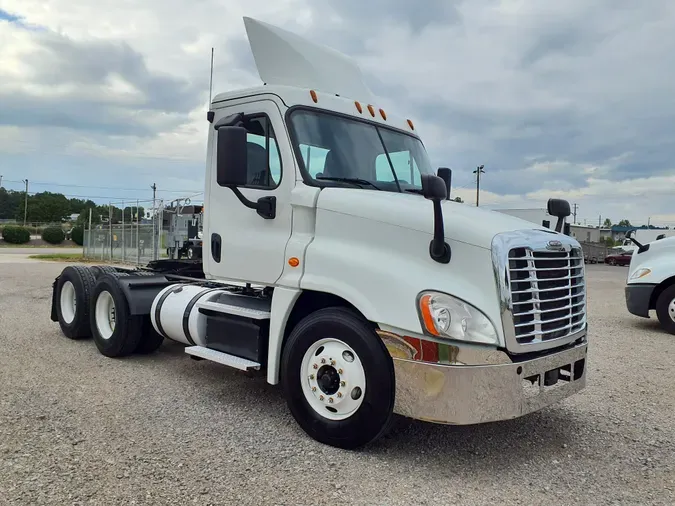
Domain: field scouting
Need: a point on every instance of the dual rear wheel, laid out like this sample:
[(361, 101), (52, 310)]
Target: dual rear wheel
[(91, 303)]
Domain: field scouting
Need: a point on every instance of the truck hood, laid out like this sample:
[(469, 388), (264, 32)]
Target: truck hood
[(463, 222)]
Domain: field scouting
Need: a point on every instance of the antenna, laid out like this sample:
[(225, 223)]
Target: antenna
[(211, 78)]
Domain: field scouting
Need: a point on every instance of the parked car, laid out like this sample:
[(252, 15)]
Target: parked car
[(620, 258)]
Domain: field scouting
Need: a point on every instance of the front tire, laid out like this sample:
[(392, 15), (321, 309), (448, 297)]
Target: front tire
[(338, 379), (665, 309)]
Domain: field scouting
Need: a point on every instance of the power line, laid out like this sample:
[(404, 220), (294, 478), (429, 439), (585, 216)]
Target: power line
[(42, 183)]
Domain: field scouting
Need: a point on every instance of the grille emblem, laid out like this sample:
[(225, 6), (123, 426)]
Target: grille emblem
[(554, 245)]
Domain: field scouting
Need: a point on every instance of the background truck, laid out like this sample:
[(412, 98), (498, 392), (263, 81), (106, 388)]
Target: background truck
[(353, 281), (594, 252), (185, 230), (650, 284)]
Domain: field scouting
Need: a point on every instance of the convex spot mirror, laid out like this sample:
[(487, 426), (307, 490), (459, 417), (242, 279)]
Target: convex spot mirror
[(433, 187), (559, 208)]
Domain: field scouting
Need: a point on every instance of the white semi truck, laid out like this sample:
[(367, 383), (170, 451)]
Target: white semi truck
[(650, 284), (335, 264)]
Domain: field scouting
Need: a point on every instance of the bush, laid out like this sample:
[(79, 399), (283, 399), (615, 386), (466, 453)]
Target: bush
[(14, 234), (53, 235), (77, 235)]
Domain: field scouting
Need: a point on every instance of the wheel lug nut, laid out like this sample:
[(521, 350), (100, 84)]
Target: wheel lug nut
[(311, 376), (313, 389), (330, 400), (332, 362), (315, 366), (321, 397), (339, 394), (343, 383), (323, 360), (339, 371)]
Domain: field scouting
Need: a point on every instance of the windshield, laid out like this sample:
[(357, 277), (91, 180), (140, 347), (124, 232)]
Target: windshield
[(338, 147)]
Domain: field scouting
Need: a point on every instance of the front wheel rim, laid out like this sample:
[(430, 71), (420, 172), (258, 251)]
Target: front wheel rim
[(671, 310), (68, 302), (105, 315), (333, 379)]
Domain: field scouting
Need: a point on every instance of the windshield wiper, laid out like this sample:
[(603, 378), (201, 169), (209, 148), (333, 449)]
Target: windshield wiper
[(354, 180), (415, 190)]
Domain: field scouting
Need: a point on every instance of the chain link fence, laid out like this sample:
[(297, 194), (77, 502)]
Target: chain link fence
[(137, 238)]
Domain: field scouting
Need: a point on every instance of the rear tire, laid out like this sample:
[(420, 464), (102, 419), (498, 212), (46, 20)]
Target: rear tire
[(361, 386), (116, 332), (100, 270), (665, 309), (73, 291)]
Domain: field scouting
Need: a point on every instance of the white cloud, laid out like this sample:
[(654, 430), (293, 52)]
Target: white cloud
[(569, 99)]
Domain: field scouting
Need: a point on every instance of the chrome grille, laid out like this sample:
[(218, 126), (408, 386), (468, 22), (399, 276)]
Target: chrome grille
[(548, 294)]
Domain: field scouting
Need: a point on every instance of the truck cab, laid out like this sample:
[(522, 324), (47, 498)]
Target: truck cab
[(335, 263), (650, 283)]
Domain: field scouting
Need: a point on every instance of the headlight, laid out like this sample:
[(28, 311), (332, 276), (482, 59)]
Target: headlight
[(640, 273), (442, 315)]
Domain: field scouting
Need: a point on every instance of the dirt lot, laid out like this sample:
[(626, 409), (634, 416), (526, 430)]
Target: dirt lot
[(78, 428)]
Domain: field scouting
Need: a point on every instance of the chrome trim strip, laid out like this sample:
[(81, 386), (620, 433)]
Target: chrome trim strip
[(534, 240)]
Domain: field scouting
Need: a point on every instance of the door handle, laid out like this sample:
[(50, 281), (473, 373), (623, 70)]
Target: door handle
[(215, 247)]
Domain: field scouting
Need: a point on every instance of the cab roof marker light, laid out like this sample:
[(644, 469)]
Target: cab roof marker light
[(410, 124), (372, 110), (358, 107), (383, 114), (313, 95)]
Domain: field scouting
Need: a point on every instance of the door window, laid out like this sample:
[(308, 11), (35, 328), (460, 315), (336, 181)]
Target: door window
[(264, 161)]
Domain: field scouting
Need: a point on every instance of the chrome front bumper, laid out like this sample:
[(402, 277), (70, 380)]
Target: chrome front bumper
[(480, 392)]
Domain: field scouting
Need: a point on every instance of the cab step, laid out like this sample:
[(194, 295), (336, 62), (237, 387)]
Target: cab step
[(222, 358)]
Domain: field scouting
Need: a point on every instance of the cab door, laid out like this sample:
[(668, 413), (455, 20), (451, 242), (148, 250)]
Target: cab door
[(241, 244)]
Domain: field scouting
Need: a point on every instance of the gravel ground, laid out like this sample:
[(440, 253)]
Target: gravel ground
[(79, 428)]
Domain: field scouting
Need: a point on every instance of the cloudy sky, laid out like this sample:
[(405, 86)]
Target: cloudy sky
[(571, 99)]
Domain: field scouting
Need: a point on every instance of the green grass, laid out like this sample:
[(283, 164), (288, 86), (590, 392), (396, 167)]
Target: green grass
[(62, 257)]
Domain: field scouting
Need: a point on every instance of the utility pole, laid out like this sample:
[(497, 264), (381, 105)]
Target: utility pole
[(154, 222), (0, 180), (575, 214), (478, 172), (25, 205)]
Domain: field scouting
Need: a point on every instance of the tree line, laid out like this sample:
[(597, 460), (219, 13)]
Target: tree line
[(48, 207)]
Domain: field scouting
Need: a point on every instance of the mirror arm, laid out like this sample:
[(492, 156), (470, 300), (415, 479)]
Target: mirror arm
[(439, 250), (265, 206)]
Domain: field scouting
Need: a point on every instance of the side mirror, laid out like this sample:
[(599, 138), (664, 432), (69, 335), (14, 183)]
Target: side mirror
[(231, 156), (559, 208), (446, 175), (433, 187)]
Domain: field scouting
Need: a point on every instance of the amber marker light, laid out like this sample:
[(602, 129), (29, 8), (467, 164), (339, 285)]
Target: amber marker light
[(425, 308), (383, 114), (358, 107), (372, 110), (293, 261), (313, 95), (410, 124)]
